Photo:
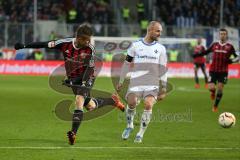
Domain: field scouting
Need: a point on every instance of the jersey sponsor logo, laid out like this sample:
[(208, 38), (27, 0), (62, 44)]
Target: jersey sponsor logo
[(146, 57), (220, 51)]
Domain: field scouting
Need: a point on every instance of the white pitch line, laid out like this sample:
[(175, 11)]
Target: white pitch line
[(160, 148)]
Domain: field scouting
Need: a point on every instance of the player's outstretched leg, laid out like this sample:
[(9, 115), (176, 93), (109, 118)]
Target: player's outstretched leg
[(118, 103), (146, 117), (218, 97), (203, 68), (217, 100), (76, 121), (212, 89), (196, 78), (130, 113), (114, 101)]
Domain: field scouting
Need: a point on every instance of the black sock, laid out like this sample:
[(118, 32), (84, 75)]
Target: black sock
[(100, 102), (206, 79), (76, 120), (218, 98), (196, 80)]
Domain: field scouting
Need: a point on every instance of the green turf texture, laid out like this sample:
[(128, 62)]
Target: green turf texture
[(183, 125)]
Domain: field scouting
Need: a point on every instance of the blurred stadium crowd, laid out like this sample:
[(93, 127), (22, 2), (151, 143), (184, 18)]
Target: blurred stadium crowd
[(171, 12), (199, 12), (72, 11)]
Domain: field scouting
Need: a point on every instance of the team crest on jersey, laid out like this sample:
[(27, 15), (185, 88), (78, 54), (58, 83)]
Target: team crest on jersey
[(227, 47), (156, 51), (67, 51)]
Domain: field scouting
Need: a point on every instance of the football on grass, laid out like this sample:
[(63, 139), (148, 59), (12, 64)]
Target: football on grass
[(227, 120)]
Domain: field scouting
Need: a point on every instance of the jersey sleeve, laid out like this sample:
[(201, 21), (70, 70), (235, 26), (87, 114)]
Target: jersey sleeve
[(57, 44), (131, 50)]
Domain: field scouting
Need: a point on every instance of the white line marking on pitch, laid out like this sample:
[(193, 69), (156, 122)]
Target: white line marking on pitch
[(161, 148)]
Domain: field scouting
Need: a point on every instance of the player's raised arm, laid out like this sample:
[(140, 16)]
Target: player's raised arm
[(49, 44), (31, 45), (204, 52)]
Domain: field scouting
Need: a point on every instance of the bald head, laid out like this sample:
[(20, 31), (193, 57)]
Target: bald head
[(154, 30), (152, 24)]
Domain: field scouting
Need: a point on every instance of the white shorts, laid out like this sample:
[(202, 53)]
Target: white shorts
[(142, 91)]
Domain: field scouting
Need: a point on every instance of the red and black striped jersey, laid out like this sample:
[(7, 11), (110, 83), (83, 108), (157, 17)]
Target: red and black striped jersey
[(221, 56), (199, 49), (79, 62)]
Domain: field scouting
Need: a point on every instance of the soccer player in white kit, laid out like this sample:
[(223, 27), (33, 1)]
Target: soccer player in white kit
[(149, 66)]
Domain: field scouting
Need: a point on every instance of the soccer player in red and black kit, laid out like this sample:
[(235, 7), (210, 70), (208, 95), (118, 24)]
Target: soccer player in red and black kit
[(218, 72), (80, 67), (199, 62)]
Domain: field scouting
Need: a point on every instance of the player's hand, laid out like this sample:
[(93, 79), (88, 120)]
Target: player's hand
[(119, 87), (18, 46)]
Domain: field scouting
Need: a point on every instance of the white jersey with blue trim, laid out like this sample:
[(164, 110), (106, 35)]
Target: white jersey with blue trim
[(150, 62)]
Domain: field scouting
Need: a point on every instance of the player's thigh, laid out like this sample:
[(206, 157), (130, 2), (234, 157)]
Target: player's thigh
[(212, 78), (79, 101), (149, 101), (222, 78)]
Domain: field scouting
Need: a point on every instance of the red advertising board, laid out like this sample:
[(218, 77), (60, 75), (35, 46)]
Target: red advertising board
[(46, 67)]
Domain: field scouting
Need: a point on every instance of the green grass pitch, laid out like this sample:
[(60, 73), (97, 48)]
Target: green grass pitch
[(183, 125)]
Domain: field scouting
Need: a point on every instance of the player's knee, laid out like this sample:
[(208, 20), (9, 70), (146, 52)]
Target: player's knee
[(91, 105), (148, 105), (132, 104), (211, 87)]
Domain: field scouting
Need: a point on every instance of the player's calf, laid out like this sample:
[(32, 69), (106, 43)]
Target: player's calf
[(212, 91)]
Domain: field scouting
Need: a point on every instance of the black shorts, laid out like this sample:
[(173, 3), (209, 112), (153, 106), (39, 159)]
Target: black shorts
[(199, 65), (79, 87), (215, 77)]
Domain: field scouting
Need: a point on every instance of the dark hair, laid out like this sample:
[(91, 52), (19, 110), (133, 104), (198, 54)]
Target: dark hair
[(223, 30), (84, 29)]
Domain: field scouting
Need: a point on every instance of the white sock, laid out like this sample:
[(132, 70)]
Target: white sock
[(130, 113), (146, 117)]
